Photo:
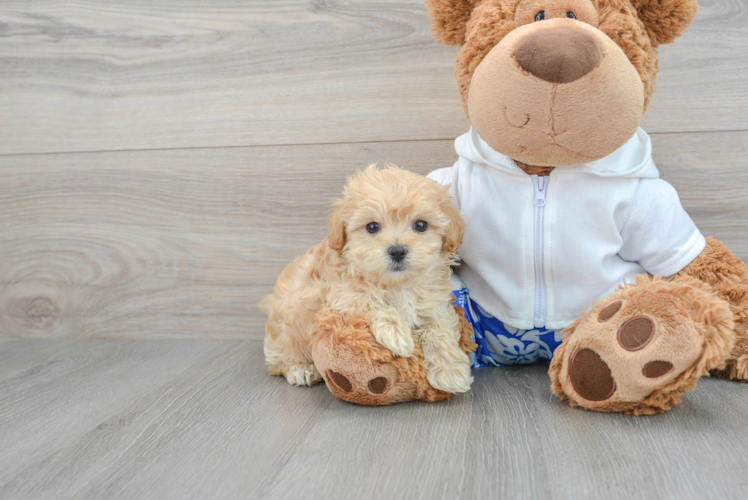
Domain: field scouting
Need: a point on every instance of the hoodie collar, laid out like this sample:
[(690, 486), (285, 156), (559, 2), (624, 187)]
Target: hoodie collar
[(633, 159)]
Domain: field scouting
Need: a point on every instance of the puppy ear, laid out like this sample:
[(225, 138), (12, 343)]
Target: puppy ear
[(455, 229), (449, 18), (336, 236), (665, 20)]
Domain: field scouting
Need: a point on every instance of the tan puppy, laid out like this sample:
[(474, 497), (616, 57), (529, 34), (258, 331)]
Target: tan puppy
[(388, 256)]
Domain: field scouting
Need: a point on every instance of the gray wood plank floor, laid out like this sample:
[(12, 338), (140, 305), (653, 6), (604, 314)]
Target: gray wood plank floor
[(202, 419), (162, 160), (142, 74), (164, 244)]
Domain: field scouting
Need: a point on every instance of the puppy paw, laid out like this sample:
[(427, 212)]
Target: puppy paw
[(395, 336), (302, 375), (450, 377)]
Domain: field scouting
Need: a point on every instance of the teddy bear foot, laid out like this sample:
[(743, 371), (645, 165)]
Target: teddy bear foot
[(638, 350), (735, 369), (357, 369)]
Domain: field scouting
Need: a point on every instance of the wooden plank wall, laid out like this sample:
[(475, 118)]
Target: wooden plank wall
[(161, 161)]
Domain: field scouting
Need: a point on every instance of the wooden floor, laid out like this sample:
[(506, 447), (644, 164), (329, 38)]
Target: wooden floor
[(161, 161), (168, 419)]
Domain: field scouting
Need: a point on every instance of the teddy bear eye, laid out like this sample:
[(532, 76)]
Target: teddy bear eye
[(420, 226), (571, 15), (373, 227), (540, 15)]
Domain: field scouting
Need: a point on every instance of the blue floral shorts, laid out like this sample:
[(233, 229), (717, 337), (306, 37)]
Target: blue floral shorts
[(500, 344)]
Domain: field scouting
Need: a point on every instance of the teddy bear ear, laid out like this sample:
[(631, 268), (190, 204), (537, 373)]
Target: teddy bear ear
[(448, 19), (665, 20)]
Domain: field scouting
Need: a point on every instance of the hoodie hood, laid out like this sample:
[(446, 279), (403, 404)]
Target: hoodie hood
[(632, 160)]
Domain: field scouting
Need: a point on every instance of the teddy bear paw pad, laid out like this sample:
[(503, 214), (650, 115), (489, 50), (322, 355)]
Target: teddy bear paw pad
[(590, 376), (636, 333), (340, 380)]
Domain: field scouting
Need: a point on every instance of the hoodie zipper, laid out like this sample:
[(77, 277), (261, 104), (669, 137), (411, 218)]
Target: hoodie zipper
[(541, 190)]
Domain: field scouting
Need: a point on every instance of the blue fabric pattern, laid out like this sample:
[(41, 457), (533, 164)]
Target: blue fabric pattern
[(500, 344)]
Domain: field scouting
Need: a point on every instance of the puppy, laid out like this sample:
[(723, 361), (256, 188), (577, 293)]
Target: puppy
[(388, 255)]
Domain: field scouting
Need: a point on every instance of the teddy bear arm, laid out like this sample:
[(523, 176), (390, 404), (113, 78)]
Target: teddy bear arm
[(358, 369), (727, 275)]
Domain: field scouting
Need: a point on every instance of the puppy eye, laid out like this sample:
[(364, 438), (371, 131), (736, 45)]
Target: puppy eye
[(540, 15), (373, 227), (571, 15), (420, 226)]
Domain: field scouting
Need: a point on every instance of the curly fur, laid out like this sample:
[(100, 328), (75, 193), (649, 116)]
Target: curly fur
[(448, 19), (727, 276), (665, 20), (351, 272)]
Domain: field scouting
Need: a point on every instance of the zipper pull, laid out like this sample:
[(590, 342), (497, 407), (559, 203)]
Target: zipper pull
[(541, 183)]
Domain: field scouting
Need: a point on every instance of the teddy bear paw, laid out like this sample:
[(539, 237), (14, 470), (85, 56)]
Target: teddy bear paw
[(637, 350)]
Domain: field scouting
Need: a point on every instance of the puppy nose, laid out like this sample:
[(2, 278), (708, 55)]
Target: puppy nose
[(559, 55), (397, 253)]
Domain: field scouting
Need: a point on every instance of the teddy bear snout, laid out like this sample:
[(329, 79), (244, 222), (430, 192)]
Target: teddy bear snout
[(561, 55)]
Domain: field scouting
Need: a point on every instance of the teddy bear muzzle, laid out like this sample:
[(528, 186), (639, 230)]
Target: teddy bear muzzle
[(556, 93)]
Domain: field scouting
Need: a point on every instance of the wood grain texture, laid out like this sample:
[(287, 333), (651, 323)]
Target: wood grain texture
[(58, 396), (689, 452), (112, 75), (223, 428), (203, 191), (216, 429), (137, 74), (165, 244)]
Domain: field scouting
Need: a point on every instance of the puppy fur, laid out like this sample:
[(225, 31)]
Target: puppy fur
[(352, 271)]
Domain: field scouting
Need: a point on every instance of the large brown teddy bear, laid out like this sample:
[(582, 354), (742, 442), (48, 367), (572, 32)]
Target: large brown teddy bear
[(554, 85)]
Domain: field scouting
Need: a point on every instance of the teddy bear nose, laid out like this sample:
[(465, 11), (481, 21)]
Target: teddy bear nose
[(397, 253), (559, 55)]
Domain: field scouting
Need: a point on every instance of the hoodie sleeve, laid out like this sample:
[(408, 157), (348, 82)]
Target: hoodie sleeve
[(448, 176), (659, 234)]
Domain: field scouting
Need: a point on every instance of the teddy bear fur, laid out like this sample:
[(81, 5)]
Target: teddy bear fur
[(713, 288), (634, 25), (659, 336), (343, 344), (707, 300)]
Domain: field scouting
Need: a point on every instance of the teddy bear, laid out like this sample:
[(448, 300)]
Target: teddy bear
[(566, 212)]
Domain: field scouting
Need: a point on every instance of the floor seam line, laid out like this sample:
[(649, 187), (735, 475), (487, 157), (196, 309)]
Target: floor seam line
[(302, 144)]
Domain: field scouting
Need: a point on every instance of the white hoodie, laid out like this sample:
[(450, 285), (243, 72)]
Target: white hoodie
[(540, 250)]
